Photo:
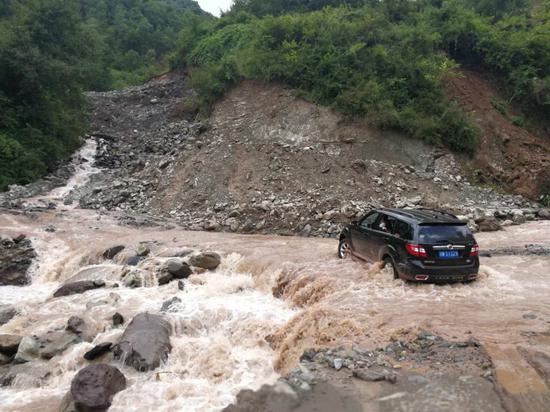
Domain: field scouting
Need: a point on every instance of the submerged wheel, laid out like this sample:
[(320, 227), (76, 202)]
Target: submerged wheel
[(344, 249), (389, 264)]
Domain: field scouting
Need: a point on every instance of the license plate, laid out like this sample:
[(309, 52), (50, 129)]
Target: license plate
[(448, 254)]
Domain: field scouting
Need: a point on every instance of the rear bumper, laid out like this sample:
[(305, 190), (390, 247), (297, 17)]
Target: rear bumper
[(414, 270)]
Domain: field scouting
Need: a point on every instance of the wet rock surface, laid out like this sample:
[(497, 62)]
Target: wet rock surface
[(145, 342), (74, 288), (205, 260), (46, 346), (94, 387), (98, 351), (16, 256)]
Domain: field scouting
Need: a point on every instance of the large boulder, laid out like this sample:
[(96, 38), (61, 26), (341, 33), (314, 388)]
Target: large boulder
[(93, 388), (16, 255), (145, 342), (206, 260), (74, 288), (7, 312)]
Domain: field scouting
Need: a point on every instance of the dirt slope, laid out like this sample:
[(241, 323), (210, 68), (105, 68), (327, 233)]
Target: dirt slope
[(507, 155)]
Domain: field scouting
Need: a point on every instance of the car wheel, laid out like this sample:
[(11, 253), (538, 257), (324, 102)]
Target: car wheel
[(389, 264), (344, 249)]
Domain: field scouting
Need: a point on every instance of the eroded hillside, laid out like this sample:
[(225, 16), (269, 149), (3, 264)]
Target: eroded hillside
[(268, 161)]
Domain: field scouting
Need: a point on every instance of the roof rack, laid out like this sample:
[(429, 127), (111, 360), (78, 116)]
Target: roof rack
[(441, 212)]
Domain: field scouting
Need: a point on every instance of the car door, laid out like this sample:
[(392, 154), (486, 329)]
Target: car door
[(360, 235), (378, 236)]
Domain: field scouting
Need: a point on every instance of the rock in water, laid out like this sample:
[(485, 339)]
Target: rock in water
[(206, 260), (170, 305), (113, 251), (6, 314), (9, 344), (16, 255), (145, 342), (488, 224), (118, 319), (81, 328), (98, 350), (94, 387), (178, 269), (78, 287)]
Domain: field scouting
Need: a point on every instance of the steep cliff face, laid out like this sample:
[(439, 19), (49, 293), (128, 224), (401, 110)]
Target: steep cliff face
[(507, 155)]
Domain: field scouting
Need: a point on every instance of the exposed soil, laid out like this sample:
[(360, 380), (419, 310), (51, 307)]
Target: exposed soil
[(266, 162), (507, 155)]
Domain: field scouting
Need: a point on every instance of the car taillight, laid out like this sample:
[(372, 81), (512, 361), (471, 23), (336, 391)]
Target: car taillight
[(416, 250), (475, 250)]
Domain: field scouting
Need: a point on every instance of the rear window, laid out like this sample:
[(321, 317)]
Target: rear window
[(444, 233)]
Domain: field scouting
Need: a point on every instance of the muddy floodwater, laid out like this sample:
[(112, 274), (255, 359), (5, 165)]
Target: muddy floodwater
[(248, 322)]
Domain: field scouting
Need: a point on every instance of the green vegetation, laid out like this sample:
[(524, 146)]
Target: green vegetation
[(53, 50), (383, 61)]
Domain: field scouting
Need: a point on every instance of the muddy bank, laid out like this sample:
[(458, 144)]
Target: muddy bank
[(423, 373)]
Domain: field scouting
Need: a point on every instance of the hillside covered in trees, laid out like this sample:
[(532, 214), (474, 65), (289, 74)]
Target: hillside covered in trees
[(53, 50), (383, 61)]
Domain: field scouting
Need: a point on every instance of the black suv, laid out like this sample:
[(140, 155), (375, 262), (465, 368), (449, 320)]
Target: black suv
[(418, 244)]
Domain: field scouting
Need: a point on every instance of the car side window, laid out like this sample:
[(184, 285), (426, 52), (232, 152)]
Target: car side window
[(402, 229), (368, 221)]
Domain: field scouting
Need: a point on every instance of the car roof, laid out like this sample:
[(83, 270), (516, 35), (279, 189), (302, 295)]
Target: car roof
[(422, 216)]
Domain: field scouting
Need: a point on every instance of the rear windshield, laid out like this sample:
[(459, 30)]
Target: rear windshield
[(444, 233)]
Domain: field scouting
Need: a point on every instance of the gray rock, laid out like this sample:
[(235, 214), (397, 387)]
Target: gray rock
[(98, 350), (55, 343), (9, 344), (113, 251), (145, 342), (6, 314), (46, 347), (28, 349), (543, 213), (488, 224), (16, 256), (81, 328), (178, 269), (93, 388), (163, 278), (170, 304), (74, 288), (206, 260), (33, 374), (133, 279), (374, 374)]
